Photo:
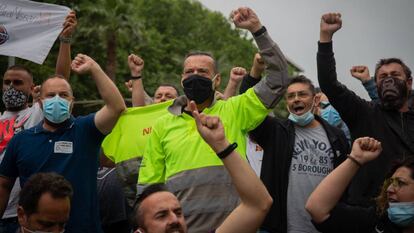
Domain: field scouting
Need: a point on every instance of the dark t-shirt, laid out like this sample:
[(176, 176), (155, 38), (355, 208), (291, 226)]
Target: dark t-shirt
[(112, 202), (71, 151), (345, 219)]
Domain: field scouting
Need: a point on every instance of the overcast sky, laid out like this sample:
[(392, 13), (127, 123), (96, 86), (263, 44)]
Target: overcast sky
[(371, 29)]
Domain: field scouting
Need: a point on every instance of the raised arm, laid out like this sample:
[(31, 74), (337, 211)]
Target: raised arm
[(342, 99), (270, 89), (64, 58), (107, 116), (327, 194), (135, 85), (255, 200), (255, 74), (236, 76), (362, 74)]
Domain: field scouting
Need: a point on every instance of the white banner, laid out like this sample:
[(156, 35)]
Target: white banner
[(28, 29)]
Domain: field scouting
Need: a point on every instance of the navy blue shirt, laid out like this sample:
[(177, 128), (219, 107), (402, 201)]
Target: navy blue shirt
[(71, 151)]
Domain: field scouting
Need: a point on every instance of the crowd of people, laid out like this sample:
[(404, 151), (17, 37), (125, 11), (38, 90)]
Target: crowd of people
[(191, 163)]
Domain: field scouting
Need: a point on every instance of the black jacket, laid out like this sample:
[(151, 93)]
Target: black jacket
[(345, 219), (277, 138), (395, 130)]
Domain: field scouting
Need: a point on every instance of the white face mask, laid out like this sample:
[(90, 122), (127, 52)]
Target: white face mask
[(30, 231)]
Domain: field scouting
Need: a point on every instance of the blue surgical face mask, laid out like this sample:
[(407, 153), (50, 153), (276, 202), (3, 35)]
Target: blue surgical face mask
[(401, 213), (56, 109), (330, 114), (303, 119)]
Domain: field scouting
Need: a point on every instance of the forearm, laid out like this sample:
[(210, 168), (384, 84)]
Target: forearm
[(250, 188), (327, 194), (64, 60), (270, 89), (248, 82), (255, 200), (138, 93), (231, 89), (342, 99), (108, 91), (371, 88)]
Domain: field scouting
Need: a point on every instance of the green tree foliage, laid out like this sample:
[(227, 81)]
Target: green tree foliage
[(161, 32)]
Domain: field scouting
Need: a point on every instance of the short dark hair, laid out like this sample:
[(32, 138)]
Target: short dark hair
[(148, 191), (304, 80), (168, 85), (41, 183), (386, 61), (203, 53), (18, 67)]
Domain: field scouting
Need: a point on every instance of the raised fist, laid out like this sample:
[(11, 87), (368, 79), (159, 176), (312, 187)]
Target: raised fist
[(83, 64), (237, 74), (136, 65), (69, 25), (245, 18), (258, 66), (128, 85), (365, 149), (330, 23), (210, 128), (36, 93), (361, 73)]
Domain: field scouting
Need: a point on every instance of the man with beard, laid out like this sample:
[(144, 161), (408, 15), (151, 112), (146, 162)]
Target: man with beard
[(66, 145), (159, 211), (390, 120), (178, 156), (17, 87)]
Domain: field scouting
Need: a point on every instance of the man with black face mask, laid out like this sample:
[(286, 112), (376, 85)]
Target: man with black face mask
[(176, 154), (17, 87), (390, 120)]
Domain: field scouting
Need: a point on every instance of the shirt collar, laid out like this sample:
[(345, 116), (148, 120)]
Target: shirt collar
[(68, 124), (176, 108)]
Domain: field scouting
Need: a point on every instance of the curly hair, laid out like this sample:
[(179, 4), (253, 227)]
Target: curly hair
[(382, 198)]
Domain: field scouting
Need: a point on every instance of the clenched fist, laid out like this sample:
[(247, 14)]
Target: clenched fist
[(245, 18), (237, 74), (258, 66), (330, 23), (365, 149), (361, 73), (136, 65), (83, 64)]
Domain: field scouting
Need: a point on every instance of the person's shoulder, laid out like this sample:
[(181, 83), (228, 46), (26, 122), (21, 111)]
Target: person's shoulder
[(83, 119), (330, 129)]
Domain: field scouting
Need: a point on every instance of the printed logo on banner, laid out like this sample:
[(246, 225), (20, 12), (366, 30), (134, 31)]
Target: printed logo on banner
[(4, 36)]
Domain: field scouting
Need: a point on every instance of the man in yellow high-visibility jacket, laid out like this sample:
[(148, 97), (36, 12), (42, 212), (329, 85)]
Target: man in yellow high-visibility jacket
[(173, 153)]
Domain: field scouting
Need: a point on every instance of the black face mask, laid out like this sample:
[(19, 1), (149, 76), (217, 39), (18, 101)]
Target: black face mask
[(198, 88), (392, 92)]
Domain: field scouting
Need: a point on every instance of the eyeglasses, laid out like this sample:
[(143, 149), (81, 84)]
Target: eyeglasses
[(299, 94), (397, 183)]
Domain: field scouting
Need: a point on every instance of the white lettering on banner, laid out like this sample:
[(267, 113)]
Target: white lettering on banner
[(28, 29), (18, 14), (63, 147)]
